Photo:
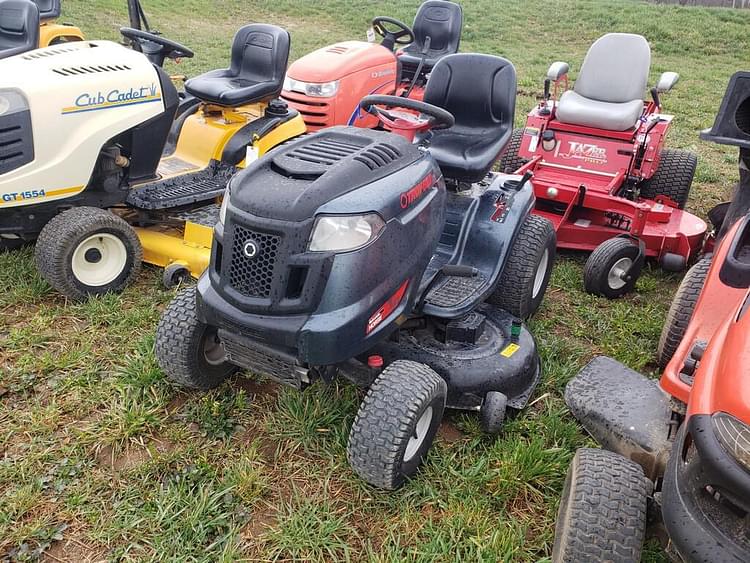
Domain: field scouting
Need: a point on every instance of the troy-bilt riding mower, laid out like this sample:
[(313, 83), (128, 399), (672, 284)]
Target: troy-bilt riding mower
[(327, 85), (601, 172), (679, 448), (98, 150), (396, 259), (26, 25)]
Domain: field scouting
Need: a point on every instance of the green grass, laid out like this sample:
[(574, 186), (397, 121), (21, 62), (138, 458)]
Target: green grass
[(101, 458)]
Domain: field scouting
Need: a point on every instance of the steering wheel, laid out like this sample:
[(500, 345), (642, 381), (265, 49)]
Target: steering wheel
[(402, 36), (155, 47), (437, 118)]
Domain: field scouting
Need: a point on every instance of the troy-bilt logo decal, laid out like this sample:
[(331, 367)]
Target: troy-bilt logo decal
[(116, 98), (587, 152), (409, 197), (386, 308)]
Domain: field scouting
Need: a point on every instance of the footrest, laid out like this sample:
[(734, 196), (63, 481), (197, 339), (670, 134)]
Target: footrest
[(207, 215), (624, 411), (182, 190), (452, 291)]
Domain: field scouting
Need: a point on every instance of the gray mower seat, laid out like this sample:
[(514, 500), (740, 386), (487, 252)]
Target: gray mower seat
[(439, 20), (48, 9), (260, 53), (484, 113), (609, 91), (19, 27)]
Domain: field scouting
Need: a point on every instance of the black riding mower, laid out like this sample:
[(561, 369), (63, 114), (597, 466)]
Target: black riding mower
[(396, 259)]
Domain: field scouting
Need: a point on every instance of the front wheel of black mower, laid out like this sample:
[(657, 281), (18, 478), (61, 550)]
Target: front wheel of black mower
[(493, 411), (673, 178), (526, 274), (681, 310), (613, 268), (188, 351), (396, 424), (602, 514)]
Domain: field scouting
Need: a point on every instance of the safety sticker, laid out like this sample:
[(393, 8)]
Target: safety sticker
[(510, 349)]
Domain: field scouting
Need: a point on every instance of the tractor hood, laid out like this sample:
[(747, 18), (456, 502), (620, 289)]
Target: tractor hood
[(339, 60), (296, 181)]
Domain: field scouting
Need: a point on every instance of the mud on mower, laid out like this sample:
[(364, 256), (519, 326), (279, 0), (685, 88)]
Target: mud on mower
[(601, 173), (676, 450), (396, 259)]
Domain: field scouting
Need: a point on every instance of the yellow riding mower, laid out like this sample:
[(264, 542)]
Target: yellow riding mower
[(27, 25), (104, 164)]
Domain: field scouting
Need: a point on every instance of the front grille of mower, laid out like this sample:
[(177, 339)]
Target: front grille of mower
[(252, 276), (16, 141), (316, 115)]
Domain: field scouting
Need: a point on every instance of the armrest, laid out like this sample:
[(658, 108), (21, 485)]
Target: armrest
[(667, 81), (557, 70)]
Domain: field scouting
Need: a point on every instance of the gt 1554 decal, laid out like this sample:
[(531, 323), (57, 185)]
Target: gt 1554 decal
[(19, 196), (116, 98)]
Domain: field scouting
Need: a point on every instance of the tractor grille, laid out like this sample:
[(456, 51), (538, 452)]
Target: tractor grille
[(316, 114), (16, 142), (252, 275)]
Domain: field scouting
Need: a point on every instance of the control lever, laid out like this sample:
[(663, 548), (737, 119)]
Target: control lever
[(545, 110), (519, 184), (425, 50)]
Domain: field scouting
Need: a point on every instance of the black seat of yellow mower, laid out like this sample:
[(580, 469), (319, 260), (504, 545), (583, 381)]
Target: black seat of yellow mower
[(19, 27), (260, 53), (48, 9)]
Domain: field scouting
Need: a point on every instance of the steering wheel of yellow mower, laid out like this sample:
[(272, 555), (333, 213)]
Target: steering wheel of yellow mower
[(419, 117), (403, 35), (154, 46)]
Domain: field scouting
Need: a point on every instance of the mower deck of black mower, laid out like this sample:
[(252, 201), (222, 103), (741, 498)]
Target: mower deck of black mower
[(207, 215)]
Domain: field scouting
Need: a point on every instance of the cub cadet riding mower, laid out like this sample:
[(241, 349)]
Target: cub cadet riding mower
[(95, 167), (396, 259), (680, 447), (601, 172), (27, 25), (326, 85)]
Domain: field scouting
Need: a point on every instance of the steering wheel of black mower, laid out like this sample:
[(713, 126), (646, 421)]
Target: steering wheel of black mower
[(155, 47), (437, 118), (402, 36)]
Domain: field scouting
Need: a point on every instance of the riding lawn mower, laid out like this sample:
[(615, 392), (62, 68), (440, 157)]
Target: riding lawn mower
[(601, 173), (326, 86), (394, 258), (677, 451), (26, 25), (103, 163)]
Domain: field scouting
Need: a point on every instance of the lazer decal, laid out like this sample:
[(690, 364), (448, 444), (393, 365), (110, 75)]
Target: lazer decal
[(587, 152), (114, 99)]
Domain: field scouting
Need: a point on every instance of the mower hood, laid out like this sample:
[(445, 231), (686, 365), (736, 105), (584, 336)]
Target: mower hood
[(339, 60)]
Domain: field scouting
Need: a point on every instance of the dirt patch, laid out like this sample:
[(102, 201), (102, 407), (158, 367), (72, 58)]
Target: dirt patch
[(72, 550), (262, 518), (133, 455), (260, 389), (449, 433)]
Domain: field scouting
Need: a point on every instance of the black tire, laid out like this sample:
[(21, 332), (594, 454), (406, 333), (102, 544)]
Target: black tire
[(673, 178), (520, 290), (681, 310), (388, 419), (492, 413), (62, 242), (602, 515), (510, 161), (174, 275), (181, 346), (600, 274)]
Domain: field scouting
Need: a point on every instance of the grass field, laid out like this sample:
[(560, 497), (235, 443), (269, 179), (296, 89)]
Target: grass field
[(103, 459)]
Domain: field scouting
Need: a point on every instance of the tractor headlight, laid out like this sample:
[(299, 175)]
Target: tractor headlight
[(12, 102), (314, 89), (224, 205), (341, 233), (734, 436)]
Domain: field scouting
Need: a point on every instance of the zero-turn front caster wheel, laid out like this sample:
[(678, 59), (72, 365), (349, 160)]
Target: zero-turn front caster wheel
[(396, 423), (174, 275), (613, 268)]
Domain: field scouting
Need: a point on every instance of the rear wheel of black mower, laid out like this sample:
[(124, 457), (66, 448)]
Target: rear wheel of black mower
[(188, 351), (681, 310), (602, 514), (613, 268), (673, 178), (510, 161), (396, 423), (526, 274)]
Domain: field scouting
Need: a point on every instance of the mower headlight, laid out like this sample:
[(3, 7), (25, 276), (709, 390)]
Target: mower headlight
[(313, 89), (224, 205), (341, 233), (734, 436), (12, 102)]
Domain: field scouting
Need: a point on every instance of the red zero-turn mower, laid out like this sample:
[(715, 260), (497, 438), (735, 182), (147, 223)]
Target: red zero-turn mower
[(326, 86), (601, 173), (678, 449), (396, 259)]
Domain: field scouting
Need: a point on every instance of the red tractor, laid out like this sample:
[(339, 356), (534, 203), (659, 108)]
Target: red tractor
[(677, 449), (326, 86), (601, 173)]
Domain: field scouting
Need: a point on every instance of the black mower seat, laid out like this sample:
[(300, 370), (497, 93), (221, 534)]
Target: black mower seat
[(480, 92), (260, 53), (19, 27), (608, 93), (48, 9), (439, 20)]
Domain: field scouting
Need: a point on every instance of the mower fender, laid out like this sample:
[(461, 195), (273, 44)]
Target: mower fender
[(624, 411)]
